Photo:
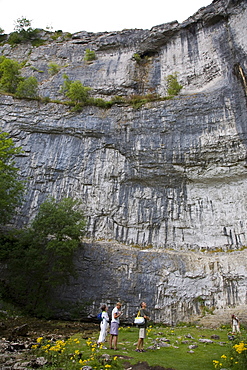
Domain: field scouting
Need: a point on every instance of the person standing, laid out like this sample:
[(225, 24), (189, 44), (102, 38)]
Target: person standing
[(116, 313), (142, 328), (235, 324), (104, 324)]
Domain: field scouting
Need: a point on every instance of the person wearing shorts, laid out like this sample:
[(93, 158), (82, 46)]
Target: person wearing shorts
[(116, 313), (142, 328)]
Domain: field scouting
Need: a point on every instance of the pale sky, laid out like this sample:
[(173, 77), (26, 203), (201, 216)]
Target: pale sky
[(98, 15)]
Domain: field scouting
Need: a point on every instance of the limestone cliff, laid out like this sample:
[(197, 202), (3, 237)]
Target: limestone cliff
[(171, 174)]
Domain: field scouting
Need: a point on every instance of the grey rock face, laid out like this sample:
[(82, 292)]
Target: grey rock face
[(177, 286), (171, 174)]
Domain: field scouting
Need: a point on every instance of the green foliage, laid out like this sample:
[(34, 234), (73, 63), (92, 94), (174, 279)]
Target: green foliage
[(22, 24), (9, 74), (28, 88), (11, 80), (15, 38), (137, 57), (3, 37), (75, 91), (40, 257), (11, 188), (53, 68), (138, 100), (45, 99), (36, 69), (235, 357), (57, 34), (75, 353), (66, 84), (173, 87), (89, 55), (24, 33)]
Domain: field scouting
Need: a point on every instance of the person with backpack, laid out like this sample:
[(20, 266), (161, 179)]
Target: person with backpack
[(104, 324)]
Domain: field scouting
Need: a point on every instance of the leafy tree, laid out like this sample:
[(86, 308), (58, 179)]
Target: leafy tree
[(28, 88), (11, 188), (40, 258), (22, 24), (74, 90), (173, 87), (77, 92), (23, 32), (9, 74)]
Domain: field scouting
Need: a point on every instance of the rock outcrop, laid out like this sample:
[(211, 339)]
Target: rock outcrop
[(169, 175), (199, 287)]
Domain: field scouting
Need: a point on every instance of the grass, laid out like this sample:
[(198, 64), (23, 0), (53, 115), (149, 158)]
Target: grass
[(177, 356), (79, 351)]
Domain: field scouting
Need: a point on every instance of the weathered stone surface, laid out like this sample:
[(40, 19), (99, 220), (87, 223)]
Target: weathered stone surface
[(177, 286), (20, 330), (171, 174)]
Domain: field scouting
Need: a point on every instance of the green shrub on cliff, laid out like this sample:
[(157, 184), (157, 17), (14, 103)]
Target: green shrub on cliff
[(12, 82), (53, 68), (75, 91), (10, 75), (24, 33), (11, 188), (173, 87), (89, 55), (28, 88)]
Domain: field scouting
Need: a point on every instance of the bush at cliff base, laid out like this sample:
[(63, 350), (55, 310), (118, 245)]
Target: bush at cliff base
[(236, 359)]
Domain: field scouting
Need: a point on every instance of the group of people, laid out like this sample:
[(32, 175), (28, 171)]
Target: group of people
[(115, 321), (116, 313)]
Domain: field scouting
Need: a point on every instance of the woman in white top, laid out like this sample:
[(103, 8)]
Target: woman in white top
[(235, 324), (104, 324)]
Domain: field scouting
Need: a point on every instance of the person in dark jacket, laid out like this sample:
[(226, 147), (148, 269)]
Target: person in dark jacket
[(142, 328)]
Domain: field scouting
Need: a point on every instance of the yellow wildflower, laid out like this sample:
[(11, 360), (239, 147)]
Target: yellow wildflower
[(240, 347), (216, 363), (39, 339)]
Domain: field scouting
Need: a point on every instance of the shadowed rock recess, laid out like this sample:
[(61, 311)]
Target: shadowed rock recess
[(163, 186)]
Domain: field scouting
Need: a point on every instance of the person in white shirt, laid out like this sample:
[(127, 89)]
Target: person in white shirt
[(116, 313), (235, 324), (104, 324)]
